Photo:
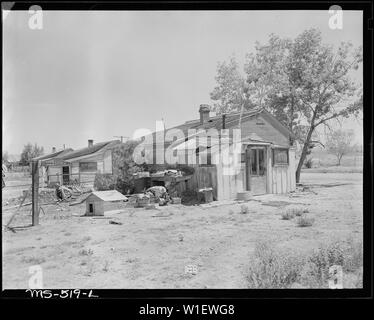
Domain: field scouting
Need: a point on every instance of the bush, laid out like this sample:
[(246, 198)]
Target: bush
[(124, 166), (287, 215), (348, 254), (104, 182), (304, 221), (293, 212), (272, 268)]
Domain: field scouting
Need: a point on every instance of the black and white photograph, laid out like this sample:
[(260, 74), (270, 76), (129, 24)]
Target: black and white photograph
[(182, 149)]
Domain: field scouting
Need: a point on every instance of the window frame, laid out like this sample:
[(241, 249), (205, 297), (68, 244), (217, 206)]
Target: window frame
[(86, 169), (275, 164)]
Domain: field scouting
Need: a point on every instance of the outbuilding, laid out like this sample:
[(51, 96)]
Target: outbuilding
[(95, 202)]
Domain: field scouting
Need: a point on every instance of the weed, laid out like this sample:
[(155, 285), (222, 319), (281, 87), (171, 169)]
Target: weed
[(272, 268), (304, 221)]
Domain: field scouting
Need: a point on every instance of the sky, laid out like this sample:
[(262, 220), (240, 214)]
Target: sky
[(99, 74)]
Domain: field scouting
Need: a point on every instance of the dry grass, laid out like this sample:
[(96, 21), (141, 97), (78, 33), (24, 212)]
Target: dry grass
[(274, 268), (305, 221), (271, 268), (293, 211)]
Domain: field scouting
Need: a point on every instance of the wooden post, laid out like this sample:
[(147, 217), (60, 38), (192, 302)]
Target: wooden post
[(35, 192)]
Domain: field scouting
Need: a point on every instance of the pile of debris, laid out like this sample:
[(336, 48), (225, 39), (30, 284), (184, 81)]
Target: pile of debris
[(168, 173), (153, 195), (72, 194)]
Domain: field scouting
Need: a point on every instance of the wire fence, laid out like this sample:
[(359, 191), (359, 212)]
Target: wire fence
[(50, 180)]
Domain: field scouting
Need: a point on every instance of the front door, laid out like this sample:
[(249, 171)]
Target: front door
[(256, 169), (65, 175)]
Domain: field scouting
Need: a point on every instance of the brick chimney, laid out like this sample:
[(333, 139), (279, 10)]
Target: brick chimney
[(53, 149), (204, 113), (90, 143)]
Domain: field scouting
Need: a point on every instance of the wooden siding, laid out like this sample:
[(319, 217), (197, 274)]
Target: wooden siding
[(204, 177), (266, 131)]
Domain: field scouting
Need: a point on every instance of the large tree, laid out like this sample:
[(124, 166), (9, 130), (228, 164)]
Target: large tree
[(29, 152), (304, 83)]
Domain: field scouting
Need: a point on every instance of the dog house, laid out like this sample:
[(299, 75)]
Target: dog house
[(95, 201)]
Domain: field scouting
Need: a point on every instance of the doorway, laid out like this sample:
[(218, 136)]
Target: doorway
[(256, 169), (65, 175)]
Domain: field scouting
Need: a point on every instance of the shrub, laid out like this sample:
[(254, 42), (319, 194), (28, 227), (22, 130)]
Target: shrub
[(104, 182), (287, 215), (244, 209), (347, 254), (293, 211), (272, 268), (304, 221)]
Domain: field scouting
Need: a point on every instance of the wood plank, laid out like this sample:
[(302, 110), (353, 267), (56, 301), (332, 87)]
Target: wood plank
[(284, 179)]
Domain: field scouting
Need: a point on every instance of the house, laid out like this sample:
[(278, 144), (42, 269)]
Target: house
[(47, 164), (261, 161), (79, 166), (95, 202)]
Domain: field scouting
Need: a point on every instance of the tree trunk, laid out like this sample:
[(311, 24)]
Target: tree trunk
[(339, 160), (303, 153)]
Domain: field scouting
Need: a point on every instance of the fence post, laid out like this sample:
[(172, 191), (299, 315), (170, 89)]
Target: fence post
[(35, 192)]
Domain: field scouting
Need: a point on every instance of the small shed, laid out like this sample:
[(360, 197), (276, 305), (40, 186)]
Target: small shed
[(95, 201)]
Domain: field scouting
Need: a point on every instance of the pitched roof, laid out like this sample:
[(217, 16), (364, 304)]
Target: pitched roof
[(54, 155), (89, 150), (109, 195), (232, 120)]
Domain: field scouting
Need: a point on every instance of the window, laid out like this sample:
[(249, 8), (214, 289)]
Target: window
[(88, 166), (206, 155), (257, 162), (280, 156)]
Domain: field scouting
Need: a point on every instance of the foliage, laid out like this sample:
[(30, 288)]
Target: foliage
[(124, 166), (104, 182), (348, 254), (230, 92), (303, 82), (29, 152), (304, 221), (287, 215), (339, 143), (271, 268), (274, 268), (293, 211)]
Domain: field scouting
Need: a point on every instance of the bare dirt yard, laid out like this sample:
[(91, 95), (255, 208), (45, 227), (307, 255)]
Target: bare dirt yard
[(151, 248)]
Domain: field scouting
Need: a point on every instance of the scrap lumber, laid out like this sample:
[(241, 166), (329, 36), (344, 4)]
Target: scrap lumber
[(80, 200)]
